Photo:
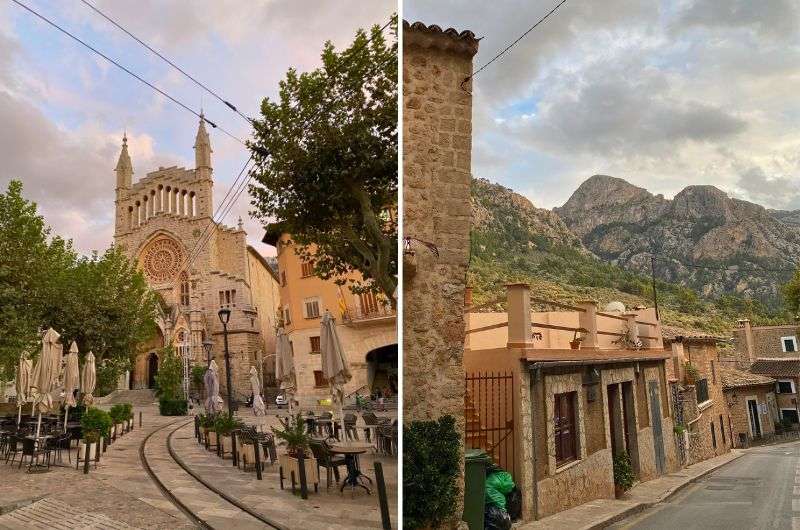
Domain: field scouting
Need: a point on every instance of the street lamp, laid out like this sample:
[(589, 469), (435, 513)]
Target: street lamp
[(224, 317), (207, 345)]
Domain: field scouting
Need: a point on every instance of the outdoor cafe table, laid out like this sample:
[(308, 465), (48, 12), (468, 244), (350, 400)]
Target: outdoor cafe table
[(351, 451)]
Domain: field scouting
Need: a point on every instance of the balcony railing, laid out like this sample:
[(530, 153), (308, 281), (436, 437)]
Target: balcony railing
[(355, 314)]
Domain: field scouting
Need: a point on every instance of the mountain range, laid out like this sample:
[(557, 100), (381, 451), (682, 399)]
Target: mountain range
[(716, 258)]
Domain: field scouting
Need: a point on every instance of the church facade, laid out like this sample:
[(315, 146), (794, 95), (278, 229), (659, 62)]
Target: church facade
[(164, 222)]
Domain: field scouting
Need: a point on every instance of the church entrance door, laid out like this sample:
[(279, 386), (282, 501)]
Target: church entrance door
[(152, 370)]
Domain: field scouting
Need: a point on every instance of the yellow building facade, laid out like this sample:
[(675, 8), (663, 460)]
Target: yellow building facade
[(366, 326)]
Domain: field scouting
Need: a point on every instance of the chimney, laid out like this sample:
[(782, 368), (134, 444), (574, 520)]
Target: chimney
[(519, 315), (747, 331)]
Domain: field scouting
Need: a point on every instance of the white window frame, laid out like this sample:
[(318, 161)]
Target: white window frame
[(793, 338), (790, 381), (310, 300)]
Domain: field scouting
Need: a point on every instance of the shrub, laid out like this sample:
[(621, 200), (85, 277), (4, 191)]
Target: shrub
[(293, 435), (169, 380), (127, 411), (173, 407), (431, 465), (95, 423), (623, 472), (198, 373), (108, 373)]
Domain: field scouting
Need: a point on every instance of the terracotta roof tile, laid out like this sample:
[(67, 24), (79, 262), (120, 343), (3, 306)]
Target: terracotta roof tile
[(418, 33), (732, 378), (780, 367), (674, 333)]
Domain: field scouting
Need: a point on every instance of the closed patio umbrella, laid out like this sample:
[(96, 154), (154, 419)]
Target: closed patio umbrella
[(211, 380), (71, 381), (45, 374), (88, 379), (23, 383), (334, 362), (284, 366), (255, 386)]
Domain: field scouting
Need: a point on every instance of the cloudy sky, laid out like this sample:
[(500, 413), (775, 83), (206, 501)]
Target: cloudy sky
[(63, 110), (664, 94)]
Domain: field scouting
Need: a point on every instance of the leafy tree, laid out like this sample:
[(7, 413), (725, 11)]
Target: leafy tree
[(325, 157), (791, 293), (101, 301)]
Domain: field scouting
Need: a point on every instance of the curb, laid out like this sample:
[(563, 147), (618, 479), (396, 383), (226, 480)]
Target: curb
[(640, 507)]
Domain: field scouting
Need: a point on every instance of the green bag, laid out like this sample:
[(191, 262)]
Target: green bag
[(498, 485)]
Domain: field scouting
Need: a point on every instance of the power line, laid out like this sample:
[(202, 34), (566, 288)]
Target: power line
[(161, 56), (507, 48), (127, 70)]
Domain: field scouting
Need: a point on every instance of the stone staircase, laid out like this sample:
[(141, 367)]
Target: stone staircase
[(474, 437), (145, 396)]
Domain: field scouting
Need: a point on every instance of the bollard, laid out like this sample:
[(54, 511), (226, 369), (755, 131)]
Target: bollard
[(98, 451), (234, 453), (301, 467), (257, 451), (86, 458), (293, 482), (383, 501), (280, 474), (140, 419), (197, 428), (105, 446)]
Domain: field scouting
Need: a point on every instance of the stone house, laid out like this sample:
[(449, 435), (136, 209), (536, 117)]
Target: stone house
[(366, 325), (574, 410), (701, 409), (752, 409), (164, 223), (437, 154), (773, 351)]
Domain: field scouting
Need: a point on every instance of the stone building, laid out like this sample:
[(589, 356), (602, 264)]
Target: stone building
[(772, 351), (437, 153), (751, 405), (366, 325), (701, 408), (574, 407), (164, 222)]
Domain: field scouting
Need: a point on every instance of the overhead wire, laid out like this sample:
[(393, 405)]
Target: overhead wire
[(214, 224), (128, 71), (514, 43), (165, 59)]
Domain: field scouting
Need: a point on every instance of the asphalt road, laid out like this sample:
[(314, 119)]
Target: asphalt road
[(760, 490)]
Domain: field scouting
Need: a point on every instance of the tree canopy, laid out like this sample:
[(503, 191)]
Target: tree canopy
[(100, 301), (325, 156)]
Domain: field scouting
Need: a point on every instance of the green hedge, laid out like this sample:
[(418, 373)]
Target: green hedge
[(173, 407), (431, 466)]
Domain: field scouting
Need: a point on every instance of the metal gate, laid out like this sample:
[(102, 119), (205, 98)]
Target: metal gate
[(677, 414), (489, 415)]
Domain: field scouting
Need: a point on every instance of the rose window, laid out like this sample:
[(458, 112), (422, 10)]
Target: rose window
[(162, 260)]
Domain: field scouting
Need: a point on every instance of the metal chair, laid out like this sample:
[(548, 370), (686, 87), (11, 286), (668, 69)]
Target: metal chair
[(325, 459)]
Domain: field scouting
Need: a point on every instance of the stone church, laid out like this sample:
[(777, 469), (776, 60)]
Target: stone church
[(165, 223)]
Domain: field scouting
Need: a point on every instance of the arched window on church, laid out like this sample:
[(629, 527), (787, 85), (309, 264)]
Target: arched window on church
[(184, 290)]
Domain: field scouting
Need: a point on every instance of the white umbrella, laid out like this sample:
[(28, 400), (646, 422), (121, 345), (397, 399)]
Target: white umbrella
[(71, 381), (255, 386), (284, 366), (211, 380), (88, 379), (334, 362), (23, 383), (45, 373)]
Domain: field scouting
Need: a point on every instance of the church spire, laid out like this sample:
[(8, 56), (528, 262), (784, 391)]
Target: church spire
[(202, 148), (124, 167)]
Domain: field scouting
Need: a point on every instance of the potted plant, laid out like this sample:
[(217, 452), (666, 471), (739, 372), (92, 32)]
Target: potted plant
[(117, 413), (95, 424), (169, 385), (207, 427), (127, 416), (623, 474), (293, 435), (692, 374), (575, 343), (224, 425)]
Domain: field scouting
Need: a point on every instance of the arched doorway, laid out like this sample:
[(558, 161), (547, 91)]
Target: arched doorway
[(152, 369), (382, 369)]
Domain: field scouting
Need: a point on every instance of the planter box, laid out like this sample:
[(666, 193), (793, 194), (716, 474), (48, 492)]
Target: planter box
[(227, 446), (120, 429), (93, 448), (289, 464), (212, 438)]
